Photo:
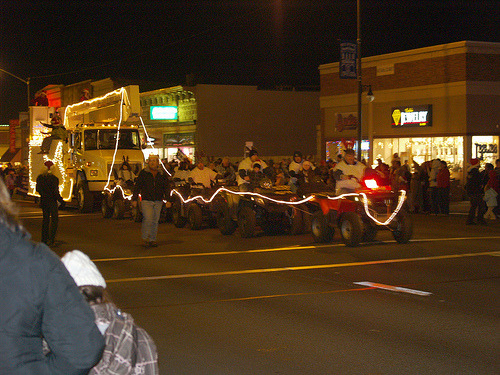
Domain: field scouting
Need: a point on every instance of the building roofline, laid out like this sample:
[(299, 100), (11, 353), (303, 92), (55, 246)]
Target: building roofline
[(440, 50)]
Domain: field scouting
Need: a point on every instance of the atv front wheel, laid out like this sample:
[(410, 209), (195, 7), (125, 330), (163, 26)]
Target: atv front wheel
[(246, 222), (351, 228), (403, 228), (320, 229)]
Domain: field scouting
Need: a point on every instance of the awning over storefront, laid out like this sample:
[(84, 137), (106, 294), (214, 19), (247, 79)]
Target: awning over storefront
[(11, 157)]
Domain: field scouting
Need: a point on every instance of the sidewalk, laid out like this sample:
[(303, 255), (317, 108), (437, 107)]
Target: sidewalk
[(459, 208)]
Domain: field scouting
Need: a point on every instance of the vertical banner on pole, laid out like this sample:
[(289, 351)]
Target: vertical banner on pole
[(13, 124), (348, 58)]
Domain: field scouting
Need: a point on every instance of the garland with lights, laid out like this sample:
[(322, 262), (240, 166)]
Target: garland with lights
[(401, 199), (112, 190)]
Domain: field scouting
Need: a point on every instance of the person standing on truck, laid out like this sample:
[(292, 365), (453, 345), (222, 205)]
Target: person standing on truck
[(47, 185), (58, 132), (153, 186)]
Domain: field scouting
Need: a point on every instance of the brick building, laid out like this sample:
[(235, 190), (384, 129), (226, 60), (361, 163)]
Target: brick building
[(435, 102)]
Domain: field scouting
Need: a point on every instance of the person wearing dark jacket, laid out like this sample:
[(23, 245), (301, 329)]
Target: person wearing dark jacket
[(153, 186), (47, 185), (474, 188), (40, 301)]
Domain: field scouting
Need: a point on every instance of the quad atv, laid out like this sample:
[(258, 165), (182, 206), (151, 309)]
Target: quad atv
[(268, 208), (116, 202), (360, 215), (195, 205)]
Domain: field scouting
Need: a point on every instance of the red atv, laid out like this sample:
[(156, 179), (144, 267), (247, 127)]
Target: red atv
[(360, 215)]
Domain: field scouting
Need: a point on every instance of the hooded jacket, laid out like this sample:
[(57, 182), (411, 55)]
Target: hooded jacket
[(129, 349), (40, 300)]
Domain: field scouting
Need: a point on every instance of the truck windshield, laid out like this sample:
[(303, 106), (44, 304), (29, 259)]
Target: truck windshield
[(105, 139)]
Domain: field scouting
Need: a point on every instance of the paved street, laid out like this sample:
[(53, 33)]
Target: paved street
[(284, 305)]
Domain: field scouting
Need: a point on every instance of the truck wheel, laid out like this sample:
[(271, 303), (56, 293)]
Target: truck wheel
[(246, 222), (225, 222), (84, 197), (403, 228), (320, 229), (106, 208), (351, 228), (118, 209), (178, 220), (195, 216)]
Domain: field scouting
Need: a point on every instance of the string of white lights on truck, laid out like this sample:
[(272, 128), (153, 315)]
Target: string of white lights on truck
[(401, 200), (147, 137), (58, 163), (123, 93), (124, 96)]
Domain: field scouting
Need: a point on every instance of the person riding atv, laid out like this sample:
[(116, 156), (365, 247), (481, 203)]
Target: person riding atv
[(117, 198), (348, 173)]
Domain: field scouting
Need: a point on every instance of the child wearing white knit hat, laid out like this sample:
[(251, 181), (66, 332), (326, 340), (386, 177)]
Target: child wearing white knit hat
[(82, 269), (129, 348)]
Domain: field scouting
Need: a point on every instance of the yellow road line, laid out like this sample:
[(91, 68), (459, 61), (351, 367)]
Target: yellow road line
[(287, 248), (298, 268)]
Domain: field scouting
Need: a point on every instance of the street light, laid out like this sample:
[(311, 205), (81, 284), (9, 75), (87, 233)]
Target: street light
[(369, 94), (25, 81)]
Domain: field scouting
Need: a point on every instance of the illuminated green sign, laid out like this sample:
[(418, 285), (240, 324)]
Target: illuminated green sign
[(163, 112)]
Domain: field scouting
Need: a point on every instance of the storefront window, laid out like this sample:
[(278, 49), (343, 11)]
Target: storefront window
[(449, 149), (172, 153), (485, 148), (334, 148)]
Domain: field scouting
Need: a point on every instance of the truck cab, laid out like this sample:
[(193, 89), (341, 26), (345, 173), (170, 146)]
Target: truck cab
[(102, 132)]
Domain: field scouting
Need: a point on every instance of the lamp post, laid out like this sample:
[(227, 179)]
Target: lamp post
[(358, 68), (25, 81), (361, 87)]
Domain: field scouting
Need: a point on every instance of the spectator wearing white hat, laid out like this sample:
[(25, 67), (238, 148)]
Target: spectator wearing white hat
[(129, 348)]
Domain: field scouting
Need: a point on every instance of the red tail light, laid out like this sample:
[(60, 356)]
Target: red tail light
[(371, 184)]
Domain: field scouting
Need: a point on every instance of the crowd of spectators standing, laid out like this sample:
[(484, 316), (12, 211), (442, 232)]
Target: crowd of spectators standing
[(427, 184)]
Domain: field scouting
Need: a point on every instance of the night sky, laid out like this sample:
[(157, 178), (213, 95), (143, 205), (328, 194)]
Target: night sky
[(265, 43)]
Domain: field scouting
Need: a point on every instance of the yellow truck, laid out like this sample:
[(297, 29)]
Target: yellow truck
[(101, 133)]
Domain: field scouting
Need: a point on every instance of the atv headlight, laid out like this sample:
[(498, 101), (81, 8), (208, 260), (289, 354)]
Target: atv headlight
[(260, 201)]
